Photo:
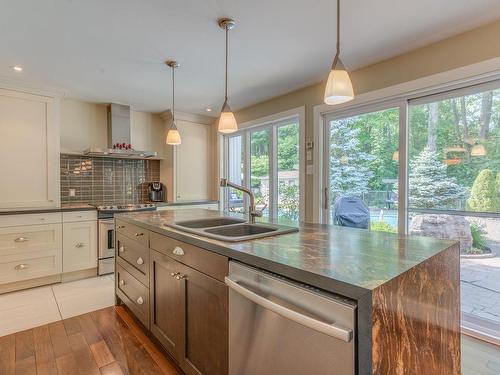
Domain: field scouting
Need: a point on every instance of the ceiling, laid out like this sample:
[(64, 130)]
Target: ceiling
[(114, 50)]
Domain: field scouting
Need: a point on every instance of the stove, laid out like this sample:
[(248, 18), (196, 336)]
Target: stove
[(106, 232)]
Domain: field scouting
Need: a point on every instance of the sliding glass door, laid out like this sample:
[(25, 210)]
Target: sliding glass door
[(454, 189), (361, 174)]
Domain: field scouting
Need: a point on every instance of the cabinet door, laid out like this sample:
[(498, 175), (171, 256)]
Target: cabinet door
[(165, 299), (79, 246), (205, 328), (30, 133)]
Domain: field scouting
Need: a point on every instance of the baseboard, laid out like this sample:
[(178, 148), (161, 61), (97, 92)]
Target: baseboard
[(27, 284)]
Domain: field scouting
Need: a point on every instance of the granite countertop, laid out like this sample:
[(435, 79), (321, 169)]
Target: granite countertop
[(63, 208), (167, 204), (349, 261)]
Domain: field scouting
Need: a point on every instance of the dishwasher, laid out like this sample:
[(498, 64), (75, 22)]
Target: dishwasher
[(280, 327)]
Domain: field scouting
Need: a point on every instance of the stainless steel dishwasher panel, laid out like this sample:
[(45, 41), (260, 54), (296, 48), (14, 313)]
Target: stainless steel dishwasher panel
[(277, 327)]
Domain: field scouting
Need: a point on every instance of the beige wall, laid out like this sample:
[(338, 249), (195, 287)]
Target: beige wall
[(461, 50)]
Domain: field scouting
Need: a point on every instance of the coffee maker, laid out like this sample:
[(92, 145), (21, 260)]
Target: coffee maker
[(156, 191)]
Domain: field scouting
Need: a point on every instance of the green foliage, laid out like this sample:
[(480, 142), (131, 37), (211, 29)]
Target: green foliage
[(382, 226), (428, 184), (288, 205), (484, 196), (478, 237)]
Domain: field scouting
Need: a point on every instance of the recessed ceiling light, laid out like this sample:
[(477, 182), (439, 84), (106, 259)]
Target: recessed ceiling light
[(17, 68), (209, 109)]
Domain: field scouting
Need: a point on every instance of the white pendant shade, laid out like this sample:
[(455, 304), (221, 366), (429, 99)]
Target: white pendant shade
[(338, 87), (227, 123), (173, 137)]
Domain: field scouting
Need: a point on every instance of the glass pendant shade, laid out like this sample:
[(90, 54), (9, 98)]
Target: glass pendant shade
[(173, 136), (338, 86), (227, 121)]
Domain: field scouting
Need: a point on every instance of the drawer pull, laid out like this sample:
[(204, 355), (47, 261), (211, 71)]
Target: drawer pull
[(21, 239), (121, 226), (42, 218), (122, 282), (173, 274), (178, 251), (140, 261), (140, 301), (21, 267), (180, 277), (139, 234), (121, 249), (79, 244)]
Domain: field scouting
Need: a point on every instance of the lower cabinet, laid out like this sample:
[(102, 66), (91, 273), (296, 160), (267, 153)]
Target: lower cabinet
[(189, 315), (79, 246)]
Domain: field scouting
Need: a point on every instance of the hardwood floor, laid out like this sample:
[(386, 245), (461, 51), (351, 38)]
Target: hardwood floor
[(103, 342)]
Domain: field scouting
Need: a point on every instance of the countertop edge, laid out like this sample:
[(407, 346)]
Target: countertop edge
[(45, 210)]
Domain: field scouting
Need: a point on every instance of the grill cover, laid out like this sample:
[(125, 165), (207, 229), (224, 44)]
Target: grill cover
[(351, 212)]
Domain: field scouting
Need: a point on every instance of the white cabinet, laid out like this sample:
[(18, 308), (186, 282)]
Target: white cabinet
[(79, 244), (29, 150), (189, 168)]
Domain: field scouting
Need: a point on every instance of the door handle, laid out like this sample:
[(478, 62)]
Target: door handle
[(140, 261), (329, 329), (140, 300), (122, 283)]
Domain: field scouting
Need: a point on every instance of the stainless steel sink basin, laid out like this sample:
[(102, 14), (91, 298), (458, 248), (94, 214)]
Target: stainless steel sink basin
[(209, 223), (231, 229)]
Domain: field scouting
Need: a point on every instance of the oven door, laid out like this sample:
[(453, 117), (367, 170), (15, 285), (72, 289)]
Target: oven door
[(106, 238)]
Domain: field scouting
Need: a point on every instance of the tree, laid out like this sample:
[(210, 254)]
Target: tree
[(288, 205), (429, 186), (349, 171), (484, 197)]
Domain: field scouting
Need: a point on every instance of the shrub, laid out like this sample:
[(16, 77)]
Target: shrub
[(382, 226), (484, 196), (478, 237)]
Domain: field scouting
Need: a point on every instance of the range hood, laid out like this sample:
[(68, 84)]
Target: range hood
[(119, 132)]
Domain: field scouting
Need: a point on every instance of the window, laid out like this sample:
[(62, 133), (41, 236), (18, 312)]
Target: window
[(269, 166), (362, 170), (442, 180)]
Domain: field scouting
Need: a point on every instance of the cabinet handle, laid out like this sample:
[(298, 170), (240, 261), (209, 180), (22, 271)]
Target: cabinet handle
[(121, 249), (139, 234), (121, 226), (21, 239), (122, 282), (178, 251), (140, 260), (173, 274), (180, 277), (140, 301), (79, 244), (21, 267)]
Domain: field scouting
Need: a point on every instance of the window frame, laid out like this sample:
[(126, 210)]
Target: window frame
[(270, 123)]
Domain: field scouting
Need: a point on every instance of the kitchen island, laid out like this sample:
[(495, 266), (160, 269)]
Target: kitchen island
[(406, 289)]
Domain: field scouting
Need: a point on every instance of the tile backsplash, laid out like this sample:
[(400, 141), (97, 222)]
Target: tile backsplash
[(106, 180)]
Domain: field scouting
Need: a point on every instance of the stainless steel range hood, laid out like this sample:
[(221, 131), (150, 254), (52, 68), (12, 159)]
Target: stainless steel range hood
[(119, 132)]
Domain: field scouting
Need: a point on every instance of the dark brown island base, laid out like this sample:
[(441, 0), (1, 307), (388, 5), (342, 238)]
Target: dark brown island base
[(406, 289)]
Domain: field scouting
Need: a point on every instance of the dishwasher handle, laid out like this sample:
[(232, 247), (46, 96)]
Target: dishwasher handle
[(314, 324)]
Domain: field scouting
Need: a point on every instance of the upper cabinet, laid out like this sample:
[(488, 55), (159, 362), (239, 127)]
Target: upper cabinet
[(29, 150), (189, 168)]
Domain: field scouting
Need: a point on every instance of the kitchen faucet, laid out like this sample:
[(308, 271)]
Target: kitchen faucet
[(252, 211)]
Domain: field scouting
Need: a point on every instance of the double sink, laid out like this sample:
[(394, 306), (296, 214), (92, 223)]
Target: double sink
[(230, 229)]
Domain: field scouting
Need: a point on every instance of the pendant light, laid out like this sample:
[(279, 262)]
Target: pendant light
[(227, 121), (338, 86), (173, 136)]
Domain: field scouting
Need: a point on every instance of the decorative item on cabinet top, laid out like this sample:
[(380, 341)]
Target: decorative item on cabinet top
[(100, 180)]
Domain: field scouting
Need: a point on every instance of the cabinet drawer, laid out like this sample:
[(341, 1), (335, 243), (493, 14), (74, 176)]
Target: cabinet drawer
[(134, 294), (134, 257), (79, 216), (30, 239), (212, 264), (30, 219), (133, 232), (18, 268)]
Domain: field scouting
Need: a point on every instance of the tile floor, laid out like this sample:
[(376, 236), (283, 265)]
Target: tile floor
[(34, 307)]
